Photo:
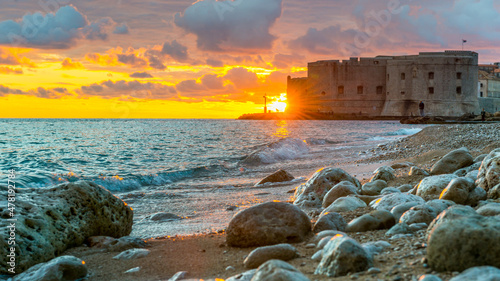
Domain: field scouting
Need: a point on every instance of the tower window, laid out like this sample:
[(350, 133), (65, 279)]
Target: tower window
[(403, 76), (380, 90), (459, 90), (360, 90), (431, 90), (403, 92), (431, 75), (340, 90), (459, 75)]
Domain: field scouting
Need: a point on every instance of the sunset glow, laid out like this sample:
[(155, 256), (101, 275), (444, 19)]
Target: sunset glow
[(83, 60)]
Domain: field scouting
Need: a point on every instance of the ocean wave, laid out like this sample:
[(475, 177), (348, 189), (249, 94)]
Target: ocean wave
[(404, 132), (284, 149), (119, 183), (316, 141)]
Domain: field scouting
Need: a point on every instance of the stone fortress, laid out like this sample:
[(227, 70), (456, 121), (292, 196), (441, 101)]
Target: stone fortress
[(392, 86)]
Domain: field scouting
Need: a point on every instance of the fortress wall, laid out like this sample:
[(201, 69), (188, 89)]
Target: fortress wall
[(489, 104), (442, 92)]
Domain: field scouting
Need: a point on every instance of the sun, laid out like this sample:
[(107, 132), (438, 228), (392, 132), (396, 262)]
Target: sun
[(279, 104)]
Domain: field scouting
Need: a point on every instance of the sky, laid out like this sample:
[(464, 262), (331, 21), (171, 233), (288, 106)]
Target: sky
[(207, 59)]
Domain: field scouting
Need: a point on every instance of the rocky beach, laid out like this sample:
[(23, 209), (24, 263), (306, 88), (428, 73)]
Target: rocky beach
[(424, 207)]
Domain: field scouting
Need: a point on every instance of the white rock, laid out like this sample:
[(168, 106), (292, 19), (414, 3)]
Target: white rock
[(178, 276), (132, 254), (345, 204), (133, 270), (391, 200), (431, 187)]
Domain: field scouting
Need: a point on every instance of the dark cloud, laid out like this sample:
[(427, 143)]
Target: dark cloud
[(132, 60), (141, 75), (121, 29), (61, 30), (175, 50), (215, 63), (8, 70), (324, 41), (134, 89), (241, 25)]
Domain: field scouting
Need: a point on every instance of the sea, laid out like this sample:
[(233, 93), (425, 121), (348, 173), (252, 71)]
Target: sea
[(134, 158)]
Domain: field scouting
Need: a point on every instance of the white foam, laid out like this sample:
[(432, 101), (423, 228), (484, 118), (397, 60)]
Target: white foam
[(284, 149), (404, 132)]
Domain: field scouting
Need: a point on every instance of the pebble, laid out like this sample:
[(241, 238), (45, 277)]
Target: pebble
[(374, 270), (132, 270)]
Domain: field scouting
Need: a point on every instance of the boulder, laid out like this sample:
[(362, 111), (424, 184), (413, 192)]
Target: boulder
[(429, 277), (400, 209), (458, 190), (375, 220), (419, 214), (453, 212), (431, 187), (341, 256), (494, 193), (477, 195), (479, 273), (373, 187), (489, 209), (267, 224), (416, 171), (480, 158), (278, 270), (375, 248), (459, 244), (342, 189), (400, 228), (401, 165), (472, 174), (315, 189), (453, 161), (327, 233), (245, 276), (260, 255), (391, 200), (384, 173), (165, 217), (405, 187), (278, 176), (132, 254), (330, 221), (51, 220), (63, 268), (345, 204), (439, 205), (489, 172), (389, 190)]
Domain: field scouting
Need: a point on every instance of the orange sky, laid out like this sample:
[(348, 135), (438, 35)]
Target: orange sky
[(206, 59)]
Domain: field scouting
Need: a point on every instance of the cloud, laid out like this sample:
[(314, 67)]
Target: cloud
[(141, 75), (11, 57), (242, 78), (68, 64), (212, 81), (284, 61), (134, 89), (121, 29), (323, 41), (175, 50), (6, 91), (241, 25), (8, 70), (61, 30), (214, 63)]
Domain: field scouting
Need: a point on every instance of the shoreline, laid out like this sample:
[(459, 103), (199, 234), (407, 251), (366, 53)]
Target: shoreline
[(207, 256)]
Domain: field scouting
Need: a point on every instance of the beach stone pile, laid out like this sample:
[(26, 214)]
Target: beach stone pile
[(51, 220)]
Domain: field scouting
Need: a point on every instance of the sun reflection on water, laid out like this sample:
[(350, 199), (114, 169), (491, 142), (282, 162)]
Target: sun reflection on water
[(282, 129)]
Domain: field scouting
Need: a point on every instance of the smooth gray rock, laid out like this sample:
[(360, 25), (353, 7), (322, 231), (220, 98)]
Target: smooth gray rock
[(342, 189), (429, 277), (379, 219), (453, 161), (464, 171), (375, 248), (245, 276), (132, 254), (384, 173), (315, 189), (322, 243), (479, 273), (400, 209), (489, 173), (473, 174), (345, 204), (341, 256), (440, 205), (330, 221), (458, 244), (416, 171), (267, 224), (317, 256), (405, 187), (260, 255), (389, 190), (480, 158), (278, 270), (51, 220), (431, 187), (418, 226), (419, 214), (477, 195), (373, 187), (458, 190), (63, 268), (391, 200), (401, 165), (278, 176), (165, 217), (400, 228), (453, 212), (326, 233), (489, 209)]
